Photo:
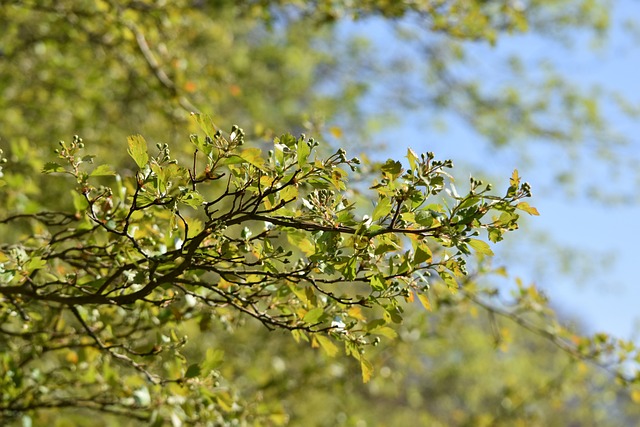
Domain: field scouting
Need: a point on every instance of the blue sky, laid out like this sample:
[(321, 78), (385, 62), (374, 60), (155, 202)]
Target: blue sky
[(596, 241)]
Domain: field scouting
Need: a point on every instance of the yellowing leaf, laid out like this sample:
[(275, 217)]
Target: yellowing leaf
[(425, 301), (205, 122), (138, 150), (195, 226), (336, 132), (301, 242), (253, 156), (299, 293), (481, 246), (72, 357), (356, 313), (327, 345), (450, 281), (635, 396), (385, 331), (367, 369), (524, 206), (515, 179), (289, 193)]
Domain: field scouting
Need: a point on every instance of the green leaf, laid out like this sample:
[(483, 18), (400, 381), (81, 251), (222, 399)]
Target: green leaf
[(193, 199), (424, 218), (201, 145), (206, 123), (303, 152), (350, 268), (192, 371), (412, 157), (382, 209), (422, 254), (138, 150), (377, 283), (495, 234), (391, 314), (313, 315), (80, 202), (392, 167), (470, 201), (287, 140), (35, 263), (103, 170), (213, 359), (50, 167), (481, 246)]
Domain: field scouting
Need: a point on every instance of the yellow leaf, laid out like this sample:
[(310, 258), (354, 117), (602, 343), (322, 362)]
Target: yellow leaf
[(299, 293), (327, 345), (138, 150), (302, 243), (367, 369), (635, 396), (409, 298), (385, 331), (356, 313), (524, 206), (515, 178), (72, 357), (289, 193), (425, 301), (336, 131), (253, 156)]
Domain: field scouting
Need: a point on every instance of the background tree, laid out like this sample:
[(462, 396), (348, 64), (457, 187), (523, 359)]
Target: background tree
[(75, 338)]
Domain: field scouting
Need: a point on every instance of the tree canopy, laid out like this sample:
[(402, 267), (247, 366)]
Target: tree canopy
[(160, 264)]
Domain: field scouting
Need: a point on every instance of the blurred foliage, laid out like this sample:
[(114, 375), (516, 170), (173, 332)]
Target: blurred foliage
[(78, 349)]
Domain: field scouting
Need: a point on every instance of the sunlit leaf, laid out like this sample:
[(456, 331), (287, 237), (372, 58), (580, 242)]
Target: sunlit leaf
[(103, 170), (327, 345), (367, 369), (424, 300), (313, 315), (382, 209), (138, 150), (524, 206), (481, 246), (392, 167), (413, 158)]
